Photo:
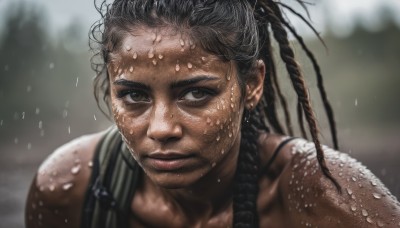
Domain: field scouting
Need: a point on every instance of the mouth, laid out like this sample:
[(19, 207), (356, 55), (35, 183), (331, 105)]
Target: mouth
[(169, 161)]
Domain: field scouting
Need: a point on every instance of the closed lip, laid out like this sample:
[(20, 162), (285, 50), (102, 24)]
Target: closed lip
[(169, 161), (168, 155)]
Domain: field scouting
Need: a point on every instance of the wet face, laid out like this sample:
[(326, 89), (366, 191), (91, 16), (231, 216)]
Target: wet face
[(177, 107)]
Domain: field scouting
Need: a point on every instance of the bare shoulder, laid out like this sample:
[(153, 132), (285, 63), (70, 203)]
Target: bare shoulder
[(57, 192), (312, 200)]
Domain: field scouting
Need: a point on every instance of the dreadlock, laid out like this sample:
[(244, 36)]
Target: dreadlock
[(238, 31)]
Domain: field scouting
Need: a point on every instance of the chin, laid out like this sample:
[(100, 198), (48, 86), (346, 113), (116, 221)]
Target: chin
[(174, 180)]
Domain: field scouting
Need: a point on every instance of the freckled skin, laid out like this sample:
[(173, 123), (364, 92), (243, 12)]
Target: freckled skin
[(206, 126)]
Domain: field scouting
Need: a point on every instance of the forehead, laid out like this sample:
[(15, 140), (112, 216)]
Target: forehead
[(163, 49)]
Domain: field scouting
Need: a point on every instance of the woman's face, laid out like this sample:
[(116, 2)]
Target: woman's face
[(177, 107)]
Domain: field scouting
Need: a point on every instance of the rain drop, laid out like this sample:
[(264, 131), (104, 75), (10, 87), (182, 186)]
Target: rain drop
[(182, 42), (373, 183), (380, 223), (369, 220), (356, 102), (203, 59), (213, 164), (154, 62), (28, 88), (29, 146), (75, 170), (23, 115), (67, 186), (51, 66), (77, 81), (377, 195), (222, 151), (94, 117), (131, 69), (69, 129), (90, 164), (151, 53), (189, 65), (349, 191), (354, 179), (40, 125), (364, 212), (218, 138), (134, 55), (177, 67), (52, 188), (128, 48), (158, 39), (37, 111), (1, 122), (353, 207), (208, 120), (160, 56)]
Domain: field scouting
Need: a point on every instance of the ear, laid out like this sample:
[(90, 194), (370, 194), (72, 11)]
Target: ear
[(255, 86)]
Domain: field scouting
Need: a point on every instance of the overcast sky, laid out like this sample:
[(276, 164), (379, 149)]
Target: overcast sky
[(342, 12)]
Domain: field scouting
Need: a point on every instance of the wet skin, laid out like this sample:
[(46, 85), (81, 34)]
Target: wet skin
[(180, 117)]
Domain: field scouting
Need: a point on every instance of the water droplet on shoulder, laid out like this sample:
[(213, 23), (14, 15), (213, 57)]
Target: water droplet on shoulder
[(75, 170), (67, 186)]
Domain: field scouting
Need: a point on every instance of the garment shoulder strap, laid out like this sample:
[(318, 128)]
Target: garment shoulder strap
[(277, 150), (112, 184)]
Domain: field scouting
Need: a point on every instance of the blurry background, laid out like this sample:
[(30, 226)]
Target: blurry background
[(46, 93)]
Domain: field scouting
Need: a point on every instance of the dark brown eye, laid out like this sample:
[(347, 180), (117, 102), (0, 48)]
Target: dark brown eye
[(195, 95)]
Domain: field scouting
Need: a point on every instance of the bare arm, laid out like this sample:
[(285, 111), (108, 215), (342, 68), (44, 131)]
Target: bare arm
[(57, 192)]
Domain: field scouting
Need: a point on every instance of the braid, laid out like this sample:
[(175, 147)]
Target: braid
[(245, 191), (287, 55)]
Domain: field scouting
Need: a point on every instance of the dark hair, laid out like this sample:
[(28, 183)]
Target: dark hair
[(238, 31)]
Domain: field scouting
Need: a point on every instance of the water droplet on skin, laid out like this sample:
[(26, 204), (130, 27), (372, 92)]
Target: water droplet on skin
[(230, 134), (128, 48), (380, 223), (182, 42), (353, 207), (369, 220), (158, 39), (377, 195), (77, 161), (67, 186), (151, 53), (134, 55), (75, 170), (52, 188), (153, 37), (160, 56), (208, 120), (177, 67), (189, 65), (218, 122), (131, 69), (119, 71), (90, 164), (349, 191), (222, 151), (154, 62), (354, 179), (203, 59), (213, 164), (364, 212), (373, 183), (340, 174), (218, 138)]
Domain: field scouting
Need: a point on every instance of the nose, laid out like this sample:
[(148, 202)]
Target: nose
[(163, 126)]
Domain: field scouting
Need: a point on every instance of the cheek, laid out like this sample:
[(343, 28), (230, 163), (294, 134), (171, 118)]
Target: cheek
[(223, 123)]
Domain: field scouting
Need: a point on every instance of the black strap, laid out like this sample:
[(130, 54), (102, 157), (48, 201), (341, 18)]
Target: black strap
[(276, 152)]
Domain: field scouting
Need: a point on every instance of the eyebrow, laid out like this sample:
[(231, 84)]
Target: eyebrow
[(174, 85), (191, 81), (131, 84)]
